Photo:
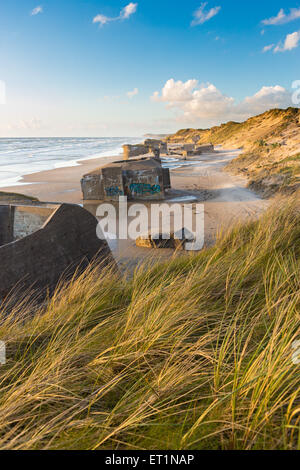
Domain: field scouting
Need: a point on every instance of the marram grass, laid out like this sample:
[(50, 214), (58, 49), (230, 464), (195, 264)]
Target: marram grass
[(191, 354)]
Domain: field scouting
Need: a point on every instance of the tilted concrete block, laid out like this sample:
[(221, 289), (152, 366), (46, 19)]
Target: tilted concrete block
[(65, 243)]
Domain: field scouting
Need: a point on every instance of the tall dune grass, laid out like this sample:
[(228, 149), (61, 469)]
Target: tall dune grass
[(195, 353)]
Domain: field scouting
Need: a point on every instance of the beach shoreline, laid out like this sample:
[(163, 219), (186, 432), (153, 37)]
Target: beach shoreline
[(225, 197), (23, 157), (59, 184)]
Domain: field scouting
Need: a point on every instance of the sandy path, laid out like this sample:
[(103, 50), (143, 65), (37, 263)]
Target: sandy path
[(229, 200)]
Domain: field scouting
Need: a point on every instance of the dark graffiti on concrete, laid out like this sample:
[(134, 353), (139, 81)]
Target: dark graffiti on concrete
[(144, 188), (114, 191), (141, 178)]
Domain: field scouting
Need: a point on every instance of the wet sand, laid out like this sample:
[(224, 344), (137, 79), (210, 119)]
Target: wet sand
[(61, 184)]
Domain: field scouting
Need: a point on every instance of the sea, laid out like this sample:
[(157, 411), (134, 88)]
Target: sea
[(19, 157), (23, 156)]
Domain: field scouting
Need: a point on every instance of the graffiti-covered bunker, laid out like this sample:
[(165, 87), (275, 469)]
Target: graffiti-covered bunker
[(138, 179)]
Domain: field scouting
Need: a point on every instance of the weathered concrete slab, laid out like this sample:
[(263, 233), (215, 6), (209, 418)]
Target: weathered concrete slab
[(91, 186), (163, 148), (29, 219), (204, 148), (150, 146), (152, 142), (187, 151), (6, 224), (166, 178), (188, 147), (160, 145), (138, 179), (134, 150), (159, 240), (65, 242)]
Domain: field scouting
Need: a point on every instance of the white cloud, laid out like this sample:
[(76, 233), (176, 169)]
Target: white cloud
[(128, 10), (268, 48), (266, 98), (101, 19), (125, 13), (132, 93), (37, 10), (175, 92), (30, 124), (194, 102), (201, 16), (291, 42), (275, 19), (194, 99), (283, 18)]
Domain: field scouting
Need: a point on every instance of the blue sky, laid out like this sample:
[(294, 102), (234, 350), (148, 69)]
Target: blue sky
[(97, 68)]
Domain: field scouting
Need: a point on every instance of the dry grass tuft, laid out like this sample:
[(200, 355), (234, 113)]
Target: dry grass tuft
[(192, 354)]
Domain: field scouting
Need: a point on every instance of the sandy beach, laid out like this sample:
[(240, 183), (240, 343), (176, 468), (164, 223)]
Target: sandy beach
[(226, 198), (61, 184)]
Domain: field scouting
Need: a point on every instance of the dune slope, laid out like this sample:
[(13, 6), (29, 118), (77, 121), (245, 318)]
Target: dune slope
[(271, 144)]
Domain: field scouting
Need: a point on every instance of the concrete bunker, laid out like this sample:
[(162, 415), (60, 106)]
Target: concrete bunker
[(130, 151), (190, 150), (40, 244), (173, 240), (151, 147), (138, 179)]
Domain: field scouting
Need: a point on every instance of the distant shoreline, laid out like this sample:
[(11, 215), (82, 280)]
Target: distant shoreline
[(226, 197), (24, 157), (60, 184)]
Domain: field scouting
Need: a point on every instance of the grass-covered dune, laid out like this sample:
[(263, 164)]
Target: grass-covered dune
[(271, 148), (196, 353)]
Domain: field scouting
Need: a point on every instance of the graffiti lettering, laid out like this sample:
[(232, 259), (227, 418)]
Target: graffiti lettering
[(114, 191), (143, 188)]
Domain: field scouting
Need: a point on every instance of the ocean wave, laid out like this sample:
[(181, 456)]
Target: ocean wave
[(20, 157)]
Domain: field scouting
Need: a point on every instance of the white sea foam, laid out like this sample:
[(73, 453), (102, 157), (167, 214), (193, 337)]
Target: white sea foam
[(20, 157)]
